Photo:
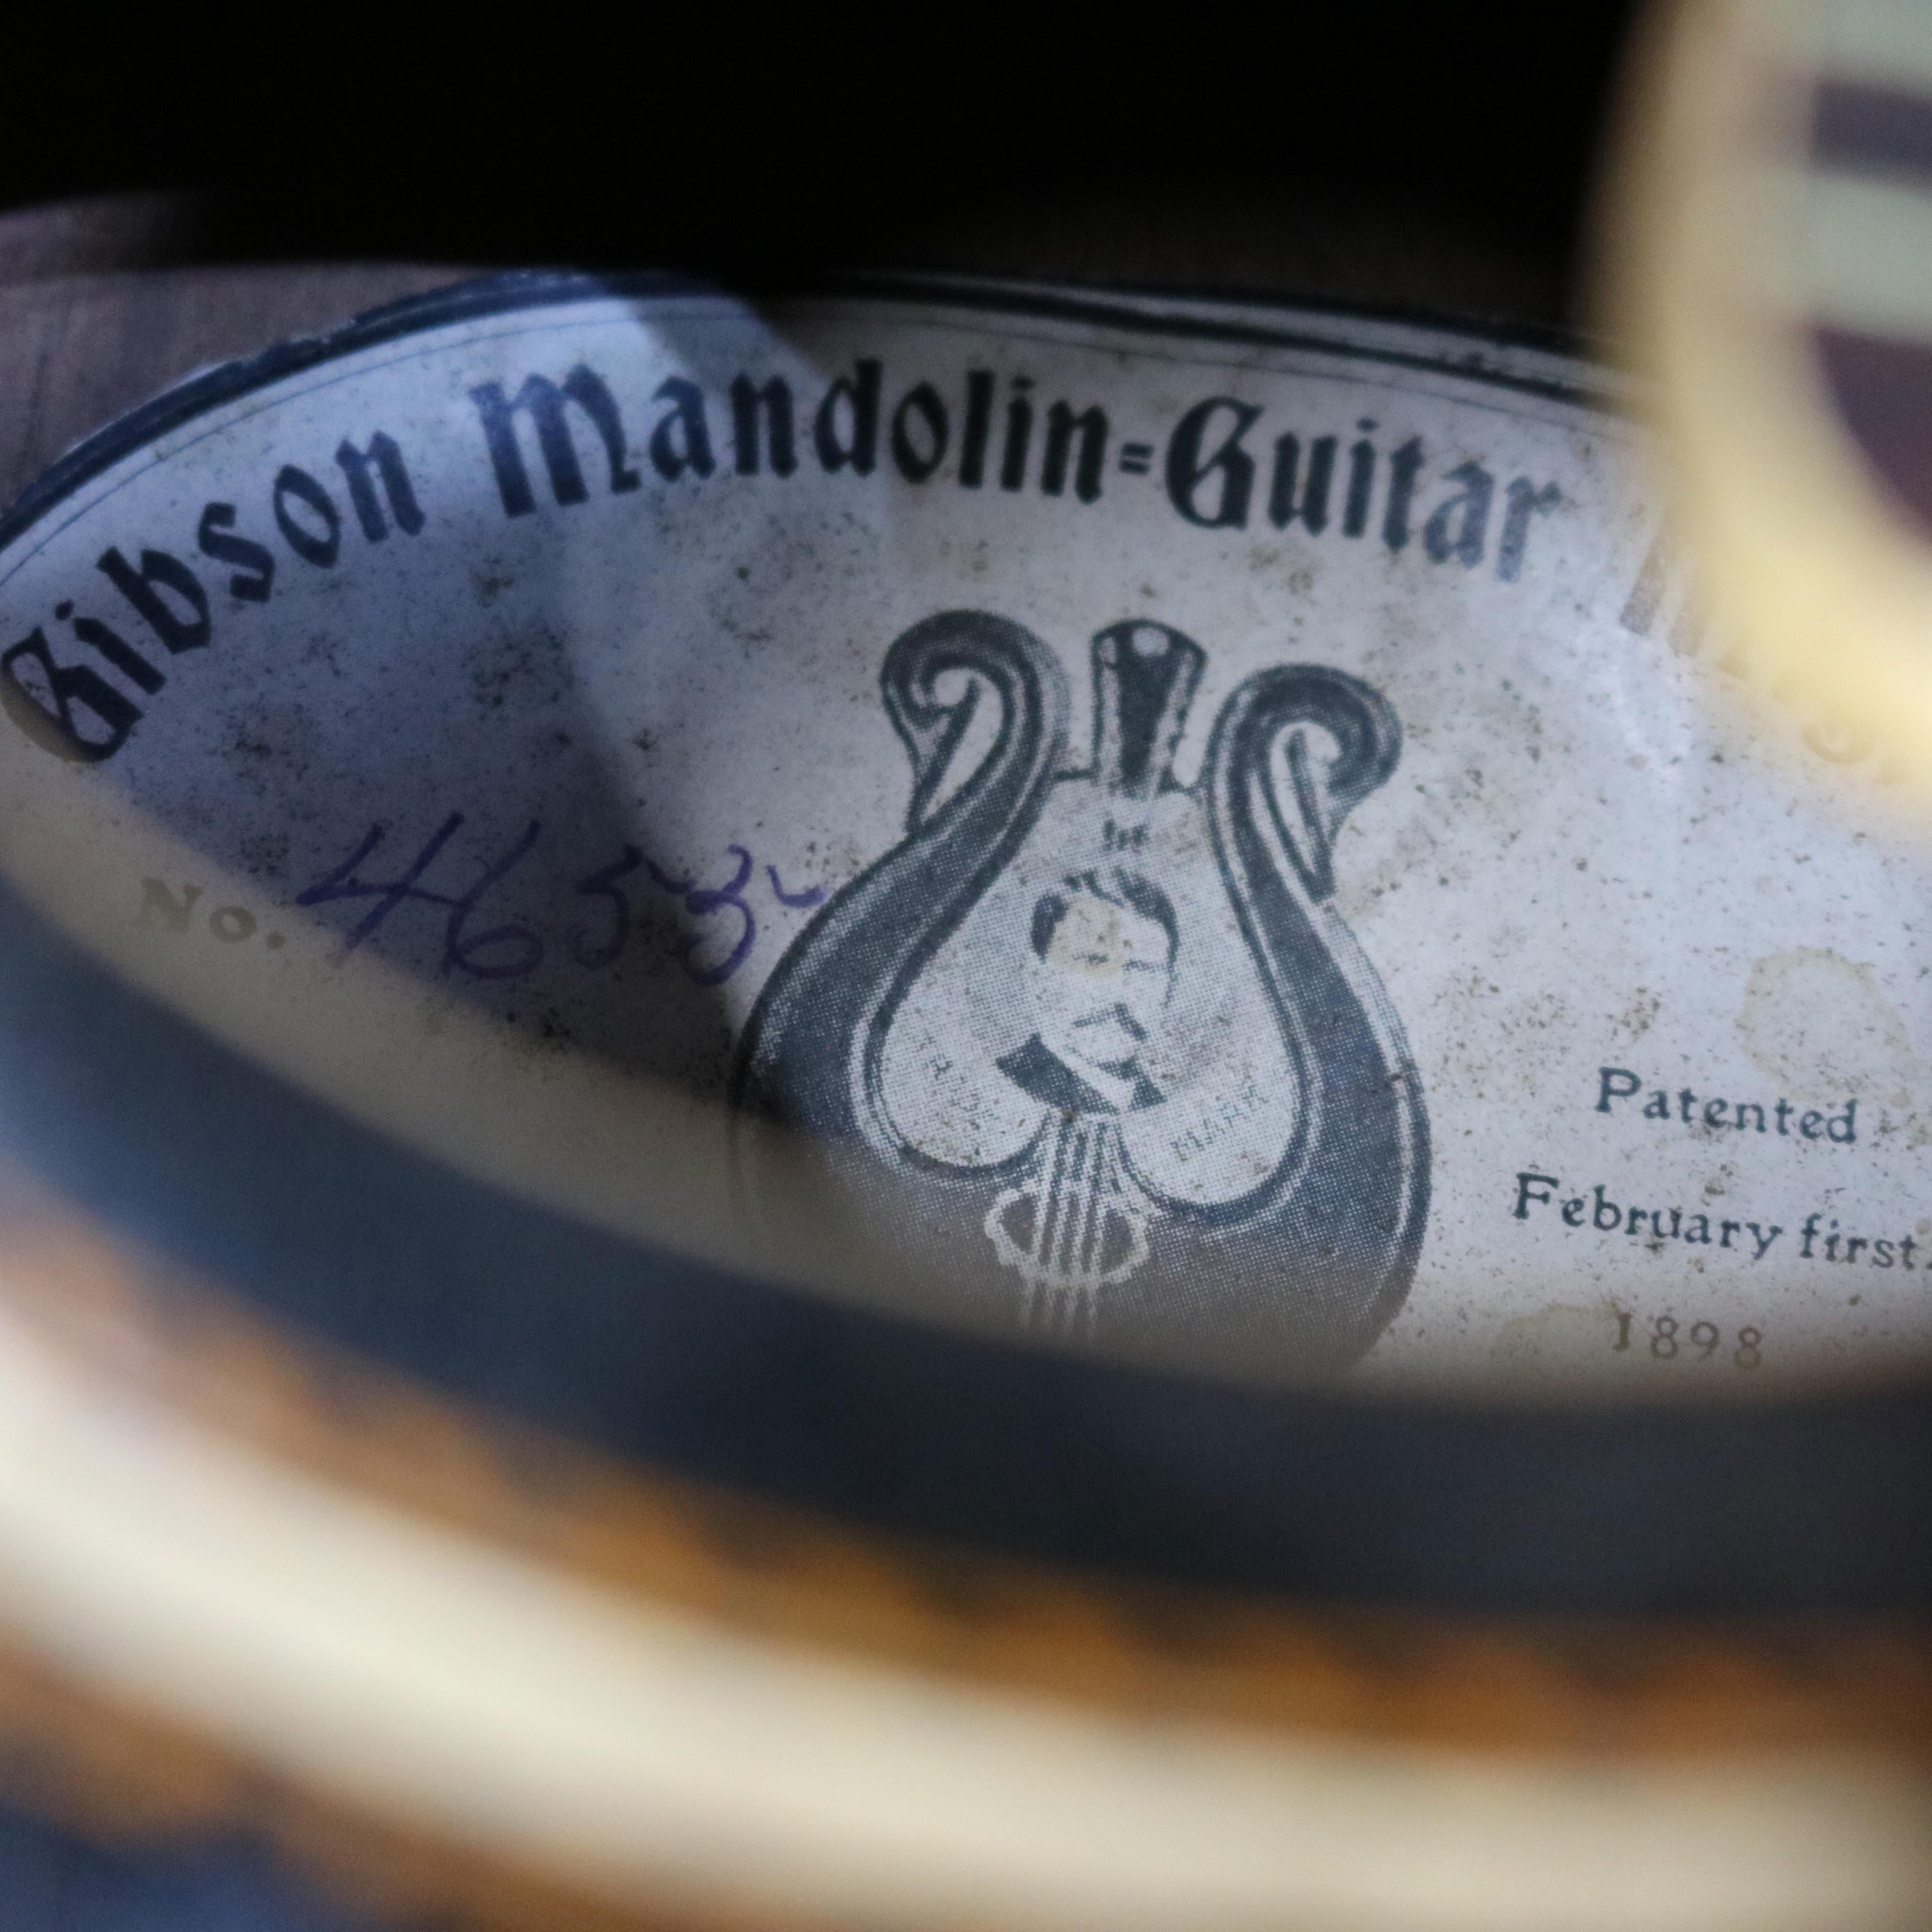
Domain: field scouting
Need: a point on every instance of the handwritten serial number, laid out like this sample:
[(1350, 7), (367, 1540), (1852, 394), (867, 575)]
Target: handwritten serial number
[(511, 948)]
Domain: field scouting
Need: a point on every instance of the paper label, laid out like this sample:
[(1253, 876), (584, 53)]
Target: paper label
[(1212, 819)]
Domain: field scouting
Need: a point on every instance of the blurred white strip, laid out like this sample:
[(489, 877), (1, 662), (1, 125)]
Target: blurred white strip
[(1881, 42), (1838, 249), (351, 1646)]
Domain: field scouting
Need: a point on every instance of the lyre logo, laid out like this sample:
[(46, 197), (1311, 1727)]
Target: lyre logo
[(1103, 1030)]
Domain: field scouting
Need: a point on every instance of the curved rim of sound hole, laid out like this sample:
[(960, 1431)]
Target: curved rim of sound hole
[(1813, 1503), (1310, 1721)]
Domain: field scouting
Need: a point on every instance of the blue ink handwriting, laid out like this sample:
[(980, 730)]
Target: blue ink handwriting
[(511, 949)]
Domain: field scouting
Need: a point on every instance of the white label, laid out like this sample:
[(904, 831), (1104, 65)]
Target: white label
[(1212, 818)]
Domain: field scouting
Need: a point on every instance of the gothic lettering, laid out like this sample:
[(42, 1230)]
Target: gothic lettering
[(1459, 527), (386, 459), (1062, 426), (252, 583), (772, 405), (159, 590), (681, 439), (49, 709), (846, 429), (919, 433), (1210, 476), (545, 402)]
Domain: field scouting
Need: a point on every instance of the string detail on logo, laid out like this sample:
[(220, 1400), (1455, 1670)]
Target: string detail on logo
[(1074, 1224)]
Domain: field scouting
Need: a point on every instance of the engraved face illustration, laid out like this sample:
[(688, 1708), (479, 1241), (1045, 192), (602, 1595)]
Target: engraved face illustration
[(1101, 973)]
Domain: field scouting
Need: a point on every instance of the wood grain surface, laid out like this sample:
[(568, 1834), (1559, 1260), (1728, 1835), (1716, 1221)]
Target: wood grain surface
[(77, 350)]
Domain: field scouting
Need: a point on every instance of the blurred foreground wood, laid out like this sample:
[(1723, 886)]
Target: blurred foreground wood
[(1764, 225)]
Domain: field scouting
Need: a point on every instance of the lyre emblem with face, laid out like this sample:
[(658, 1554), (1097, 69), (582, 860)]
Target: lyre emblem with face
[(1098, 1037)]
